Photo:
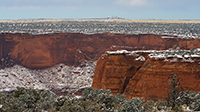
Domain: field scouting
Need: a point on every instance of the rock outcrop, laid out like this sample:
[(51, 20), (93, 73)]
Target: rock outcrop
[(151, 81), (43, 51), (129, 73), (114, 71)]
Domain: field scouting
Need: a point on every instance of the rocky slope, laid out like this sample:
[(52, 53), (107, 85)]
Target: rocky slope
[(59, 78), (43, 51), (128, 72)]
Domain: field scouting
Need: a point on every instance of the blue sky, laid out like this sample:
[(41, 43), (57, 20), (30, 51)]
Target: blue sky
[(78, 9)]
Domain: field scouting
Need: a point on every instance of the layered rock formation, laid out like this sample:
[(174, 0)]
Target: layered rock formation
[(126, 72), (42, 51), (151, 81), (113, 71)]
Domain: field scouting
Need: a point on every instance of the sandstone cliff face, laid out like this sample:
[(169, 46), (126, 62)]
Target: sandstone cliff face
[(114, 72), (127, 72), (150, 82), (42, 51)]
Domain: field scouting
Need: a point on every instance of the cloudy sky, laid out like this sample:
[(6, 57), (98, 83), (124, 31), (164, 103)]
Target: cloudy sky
[(78, 9)]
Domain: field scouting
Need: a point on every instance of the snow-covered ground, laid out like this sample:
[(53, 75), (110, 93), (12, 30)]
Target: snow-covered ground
[(171, 55), (61, 77), (190, 30)]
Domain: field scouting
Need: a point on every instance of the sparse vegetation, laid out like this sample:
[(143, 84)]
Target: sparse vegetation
[(97, 100), (185, 29)]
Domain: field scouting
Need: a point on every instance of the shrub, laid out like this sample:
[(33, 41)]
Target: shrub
[(132, 105), (27, 100)]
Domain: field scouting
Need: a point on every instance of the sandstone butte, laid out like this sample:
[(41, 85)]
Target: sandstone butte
[(124, 74), (42, 51)]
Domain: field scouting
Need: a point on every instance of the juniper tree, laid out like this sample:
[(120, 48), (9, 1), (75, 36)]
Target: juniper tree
[(175, 89)]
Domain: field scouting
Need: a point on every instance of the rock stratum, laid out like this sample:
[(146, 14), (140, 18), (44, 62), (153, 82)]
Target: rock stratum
[(43, 51), (134, 75), (151, 81), (145, 73)]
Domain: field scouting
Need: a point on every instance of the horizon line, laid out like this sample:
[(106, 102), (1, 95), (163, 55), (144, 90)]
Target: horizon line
[(107, 19)]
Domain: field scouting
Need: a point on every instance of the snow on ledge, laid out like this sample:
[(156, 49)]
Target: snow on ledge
[(140, 58), (171, 55), (167, 37), (118, 52)]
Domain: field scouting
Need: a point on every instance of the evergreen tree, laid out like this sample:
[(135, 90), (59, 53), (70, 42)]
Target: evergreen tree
[(176, 90)]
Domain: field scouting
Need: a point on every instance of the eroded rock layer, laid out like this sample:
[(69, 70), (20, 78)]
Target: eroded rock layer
[(144, 73), (151, 81), (114, 72), (42, 51)]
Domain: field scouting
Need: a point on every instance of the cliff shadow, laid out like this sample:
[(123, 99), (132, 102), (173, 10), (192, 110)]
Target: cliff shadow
[(133, 70)]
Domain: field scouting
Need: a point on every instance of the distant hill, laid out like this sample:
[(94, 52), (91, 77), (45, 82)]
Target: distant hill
[(114, 17)]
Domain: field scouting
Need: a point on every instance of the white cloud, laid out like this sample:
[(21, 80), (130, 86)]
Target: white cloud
[(136, 3)]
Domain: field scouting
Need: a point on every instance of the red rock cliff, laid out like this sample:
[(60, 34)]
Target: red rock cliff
[(41, 51), (124, 73), (114, 72), (150, 82)]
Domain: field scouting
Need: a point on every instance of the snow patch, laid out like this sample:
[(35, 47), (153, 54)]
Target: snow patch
[(167, 37), (61, 77), (118, 52), (140, 58), (170, 55)]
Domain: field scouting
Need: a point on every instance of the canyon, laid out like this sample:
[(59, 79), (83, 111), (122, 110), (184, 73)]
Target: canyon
[(43, 51), (134, 75)]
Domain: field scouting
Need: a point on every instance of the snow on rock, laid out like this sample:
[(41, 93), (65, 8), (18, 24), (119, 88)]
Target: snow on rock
[(174, 55), (167, 37), (66, 78), (140, 58), (118, 52), (171, 55)]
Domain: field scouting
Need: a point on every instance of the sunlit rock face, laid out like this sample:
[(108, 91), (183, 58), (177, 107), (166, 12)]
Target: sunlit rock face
[(145, 73), (43, 51), (114, 70)]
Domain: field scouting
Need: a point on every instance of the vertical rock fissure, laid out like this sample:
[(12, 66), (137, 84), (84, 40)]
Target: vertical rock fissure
[(126, 83), (127, 79)]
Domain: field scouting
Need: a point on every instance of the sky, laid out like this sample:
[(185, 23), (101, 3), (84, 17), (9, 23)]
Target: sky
[(82, 9)]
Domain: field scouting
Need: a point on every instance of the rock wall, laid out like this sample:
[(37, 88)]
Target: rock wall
[(114, 71), (42, 51), (124, 73), (151, 81)]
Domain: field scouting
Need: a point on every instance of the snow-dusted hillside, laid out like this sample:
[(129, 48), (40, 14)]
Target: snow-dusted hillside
[(190, 30), (60, 77)]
